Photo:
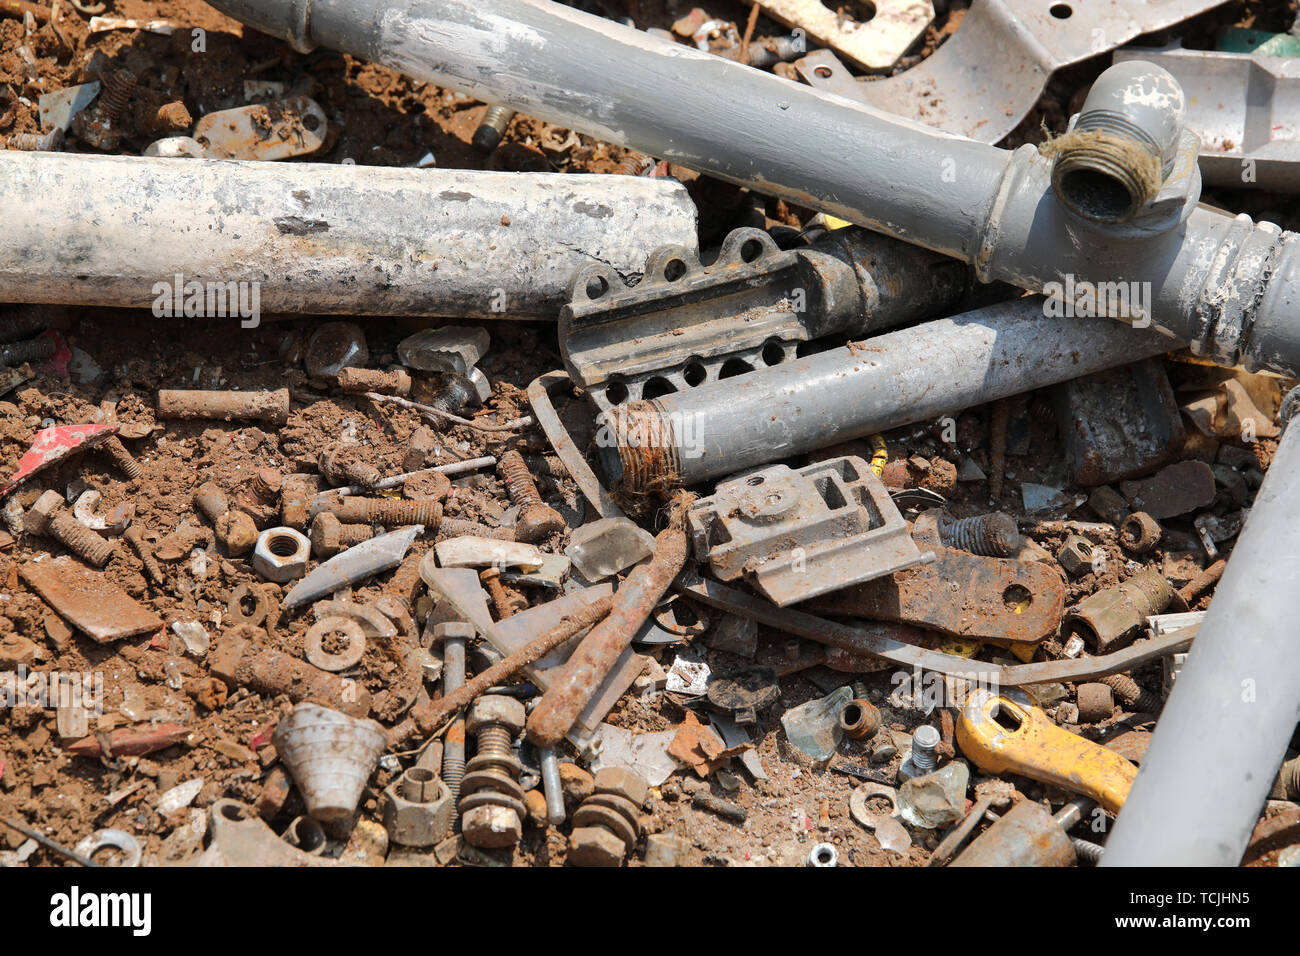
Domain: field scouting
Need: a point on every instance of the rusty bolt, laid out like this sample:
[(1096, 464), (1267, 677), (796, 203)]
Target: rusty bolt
[(135, 538), (537, 520), (607, 824), (385, 511), (994, 535), (1139, 532), (1131, 695), (329, 536), (492, 801), (340, 470), (296, 494), (49, 517), (119, 456), (261, 499), (99, 126), (506, 603), (32, 350), (170, 119), (211, 500)]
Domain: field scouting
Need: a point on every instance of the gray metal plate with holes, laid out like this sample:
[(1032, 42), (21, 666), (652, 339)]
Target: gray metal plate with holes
[(988, 75), (1244, 108), (796, 534), (678, 326)]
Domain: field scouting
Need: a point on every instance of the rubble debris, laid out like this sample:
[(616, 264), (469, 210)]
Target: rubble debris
[(1172, 491)]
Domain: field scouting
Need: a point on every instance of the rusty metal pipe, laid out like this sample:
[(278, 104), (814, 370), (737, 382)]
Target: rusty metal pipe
[(595, 657)]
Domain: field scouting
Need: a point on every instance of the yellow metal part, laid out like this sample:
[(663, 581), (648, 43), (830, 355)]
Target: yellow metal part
[(879, 454), (1002, 736)]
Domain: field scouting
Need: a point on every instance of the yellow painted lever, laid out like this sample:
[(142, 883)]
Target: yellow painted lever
[(1002, 736)]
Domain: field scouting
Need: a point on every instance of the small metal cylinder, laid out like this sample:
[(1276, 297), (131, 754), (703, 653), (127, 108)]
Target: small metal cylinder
[(551, 786), (269, 407)]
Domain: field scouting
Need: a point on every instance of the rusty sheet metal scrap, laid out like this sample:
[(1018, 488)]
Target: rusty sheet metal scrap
[(264, 131), (864, 639), (964, 595), (599, 651)]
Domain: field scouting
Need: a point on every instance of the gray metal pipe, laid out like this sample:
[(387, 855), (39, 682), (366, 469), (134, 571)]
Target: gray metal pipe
[(1225, 729), (316, 238), (1230, 287), (912, 375)]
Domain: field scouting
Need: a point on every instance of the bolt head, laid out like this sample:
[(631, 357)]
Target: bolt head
[(537, 522), (491, 827), (624, 782), (42, 510), (495, 709), (452, 630), (325, 535)]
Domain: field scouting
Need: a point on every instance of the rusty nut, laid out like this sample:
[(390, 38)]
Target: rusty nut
[(1139, 532), (418, 809), (595, 846), (1077, 556), (495, 709), (281, 554), (623, 782)]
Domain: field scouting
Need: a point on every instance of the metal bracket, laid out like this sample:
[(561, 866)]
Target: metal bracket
[(875, 44), (796, 534), (988, 75)]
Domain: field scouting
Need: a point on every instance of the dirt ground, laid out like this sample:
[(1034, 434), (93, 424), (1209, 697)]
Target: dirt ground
[(386, 119)]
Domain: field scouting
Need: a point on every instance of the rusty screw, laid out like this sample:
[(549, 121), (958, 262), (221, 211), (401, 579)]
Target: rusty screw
[(492, 801), (261, 499), (341, 470), (119, 456), (488, 135), (135, 538), (537, 520), (48, 516), (329, 536), (385, 511), (506, 605), (41, 347), (1131, 695), (99, 126), (993, 535)]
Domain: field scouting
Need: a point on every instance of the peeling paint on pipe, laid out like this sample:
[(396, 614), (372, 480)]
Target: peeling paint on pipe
[(317, 238), (1230, 287)]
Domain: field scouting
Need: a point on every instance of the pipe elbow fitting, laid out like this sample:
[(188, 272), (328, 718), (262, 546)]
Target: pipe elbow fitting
[(1123, 143)]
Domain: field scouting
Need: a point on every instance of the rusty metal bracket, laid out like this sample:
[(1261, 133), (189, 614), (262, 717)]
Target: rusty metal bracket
[(965, 595), (799, 533), (988, 75)]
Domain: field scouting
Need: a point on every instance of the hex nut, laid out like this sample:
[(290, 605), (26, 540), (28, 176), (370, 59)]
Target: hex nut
[(491, 826), (326, 534), (418, 809), (595, 846), (623, 782), (281, 554), (1076, 555), (495, 709), (237, 533)]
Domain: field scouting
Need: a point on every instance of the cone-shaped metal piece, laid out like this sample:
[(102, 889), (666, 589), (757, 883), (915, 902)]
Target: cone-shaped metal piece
[(330, 756)]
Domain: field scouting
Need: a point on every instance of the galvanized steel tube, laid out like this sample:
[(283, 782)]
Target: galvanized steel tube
[(315, 238), (890, 380), (1226, 726)]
